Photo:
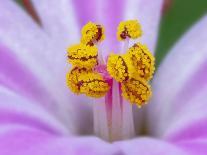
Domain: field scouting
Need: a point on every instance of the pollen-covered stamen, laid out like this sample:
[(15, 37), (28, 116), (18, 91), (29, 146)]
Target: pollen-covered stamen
[(136, 91), (129, 29), (81, 55), (117, 67), (120, 67), (142, 60), (92, 84), (72, 79), (92, 33)]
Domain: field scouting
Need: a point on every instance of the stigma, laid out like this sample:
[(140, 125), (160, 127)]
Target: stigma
[(133, 68)]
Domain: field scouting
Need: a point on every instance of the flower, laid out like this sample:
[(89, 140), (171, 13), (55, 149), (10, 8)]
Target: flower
[(39, 115)]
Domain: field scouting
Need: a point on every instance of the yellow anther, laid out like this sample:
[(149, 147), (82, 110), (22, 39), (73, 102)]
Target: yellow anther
[(117, 68), (92, 84), (130, 29), (136, 91), (142, 60), (91, 33), (72, 79), (81, 55)]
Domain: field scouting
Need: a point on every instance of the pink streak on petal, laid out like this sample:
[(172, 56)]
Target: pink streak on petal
[(17, 77), (191, 130), (110, 14), (86, 10), (197, 146), (15, 109), (181, 64), (42, 55), (8, 116), (28, 141), (193, 86), (189, 123)]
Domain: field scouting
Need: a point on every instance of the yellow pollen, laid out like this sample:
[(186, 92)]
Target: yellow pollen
[(72, 79), (92, 84), (91, 33), (81, 55), (142, 60), (116, 67), (130, 29), (132, 69), (136, 91)]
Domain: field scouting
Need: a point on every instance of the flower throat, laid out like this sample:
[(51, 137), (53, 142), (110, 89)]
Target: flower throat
[(124, 76)]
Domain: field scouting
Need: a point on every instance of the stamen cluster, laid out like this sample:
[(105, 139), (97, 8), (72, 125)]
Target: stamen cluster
[(133, 69), (82, 78)]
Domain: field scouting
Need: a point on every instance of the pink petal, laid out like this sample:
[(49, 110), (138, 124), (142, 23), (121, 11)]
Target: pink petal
[(16, 110), (58, 19), (148, 12), (179, 78), (26, 129), (198, 146), (190, 121), (24, 141), (149, 146), (42, 57), (62, 25), (30, 44), (20, 79)]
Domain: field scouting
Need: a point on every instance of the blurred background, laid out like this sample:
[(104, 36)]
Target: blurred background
[(178, 16)]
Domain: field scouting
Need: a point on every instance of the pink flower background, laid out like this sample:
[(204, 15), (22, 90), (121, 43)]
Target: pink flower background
[(39, 115)]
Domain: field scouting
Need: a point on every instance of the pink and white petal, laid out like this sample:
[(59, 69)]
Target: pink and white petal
[(58, 19), (148, 12), (176, 79), (105, 12), (197, 146), (149, 146), (110, 14), (18, 77), (30, 44), (16, 110), (27, 42), (24, 141), (85, 11), (33, 48), (189, 123)]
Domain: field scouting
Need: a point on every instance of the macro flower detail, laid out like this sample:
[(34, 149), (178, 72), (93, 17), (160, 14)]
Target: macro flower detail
[(133, 69), (83, 56), (130, 29), (91, 33), (96, 116), (142, 61), (82, 78), (136, 91)]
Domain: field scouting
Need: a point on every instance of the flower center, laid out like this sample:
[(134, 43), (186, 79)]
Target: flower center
[(123, 79)]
